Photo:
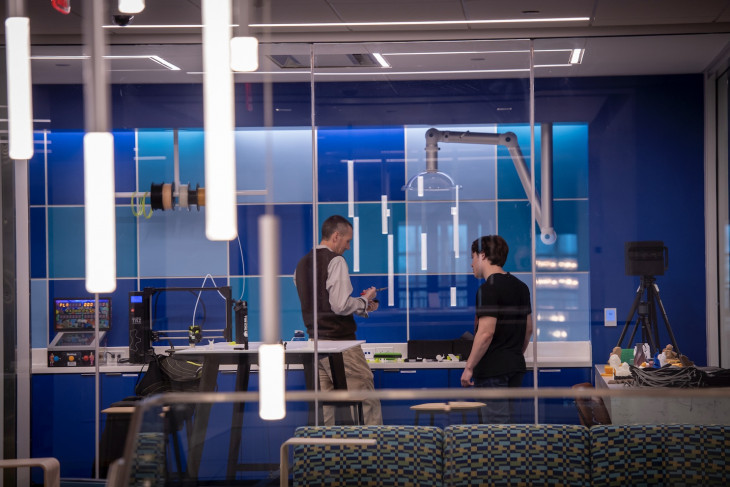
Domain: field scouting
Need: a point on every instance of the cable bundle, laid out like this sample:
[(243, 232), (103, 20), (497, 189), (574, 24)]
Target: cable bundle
[(668, 376)]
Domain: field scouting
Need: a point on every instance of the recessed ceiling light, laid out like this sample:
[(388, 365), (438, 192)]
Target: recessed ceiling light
[(576, 57), (151, 57), (379, 57)]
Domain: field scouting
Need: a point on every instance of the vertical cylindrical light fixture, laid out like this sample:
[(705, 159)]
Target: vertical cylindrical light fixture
[(99, 213), (130, 6), (424, 252), (455, 222), (20, 97), (99, 208), (272, 384), (356, 244), (218, 120), (244, 47), (350, 189), (391, 273)]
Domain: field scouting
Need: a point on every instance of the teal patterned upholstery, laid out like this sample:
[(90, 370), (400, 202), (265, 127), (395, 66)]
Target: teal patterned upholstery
[(660, 455), (496, 454), (148, 461), (403, 455)]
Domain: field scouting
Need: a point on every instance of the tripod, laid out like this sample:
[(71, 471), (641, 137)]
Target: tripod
[(647, 316)]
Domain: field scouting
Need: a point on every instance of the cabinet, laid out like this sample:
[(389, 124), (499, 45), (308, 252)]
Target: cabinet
[(398, 412), (63, 417), (557, 410), (62, 422)]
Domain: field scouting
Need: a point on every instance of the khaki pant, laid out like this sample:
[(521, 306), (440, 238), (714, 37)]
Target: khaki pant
[(359, 377)]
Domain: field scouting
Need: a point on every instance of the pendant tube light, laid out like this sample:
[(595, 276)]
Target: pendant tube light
[(244, 46), (99, 207), (272, 382), (99, 212), (19, 84), (131, 6), (218, 120)]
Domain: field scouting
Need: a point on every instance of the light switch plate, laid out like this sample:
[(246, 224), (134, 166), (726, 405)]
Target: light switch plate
[(609, 316)]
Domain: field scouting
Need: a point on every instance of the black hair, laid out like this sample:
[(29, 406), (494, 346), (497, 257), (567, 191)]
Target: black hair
[(493, 247)]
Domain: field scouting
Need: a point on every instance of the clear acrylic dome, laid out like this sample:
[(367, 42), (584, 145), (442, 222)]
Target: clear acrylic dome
[(429, 182)]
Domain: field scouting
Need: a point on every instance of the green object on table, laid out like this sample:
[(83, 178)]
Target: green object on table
[(627, 355)]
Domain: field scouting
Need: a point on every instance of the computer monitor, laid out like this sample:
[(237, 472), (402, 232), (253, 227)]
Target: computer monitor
[(78, 314)]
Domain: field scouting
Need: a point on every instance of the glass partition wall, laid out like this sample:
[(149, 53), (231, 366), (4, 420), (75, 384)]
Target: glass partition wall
[(423, 147)]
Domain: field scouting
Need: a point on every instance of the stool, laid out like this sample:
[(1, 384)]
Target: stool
[(357, 405), (434, 408)]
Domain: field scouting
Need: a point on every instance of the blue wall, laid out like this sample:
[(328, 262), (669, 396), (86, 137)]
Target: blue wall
[(645, 169)]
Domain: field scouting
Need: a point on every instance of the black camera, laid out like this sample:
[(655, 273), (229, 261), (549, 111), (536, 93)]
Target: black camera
[(649, 258), (122, 20)]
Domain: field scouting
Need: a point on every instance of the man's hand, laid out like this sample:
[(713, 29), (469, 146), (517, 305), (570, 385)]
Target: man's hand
[(372, 306), (369, 293), (466, 378)]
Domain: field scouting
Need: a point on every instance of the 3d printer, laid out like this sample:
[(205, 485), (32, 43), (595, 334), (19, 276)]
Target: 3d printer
[(155, 312)]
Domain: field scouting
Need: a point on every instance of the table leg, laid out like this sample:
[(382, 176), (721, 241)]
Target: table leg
[(208, 381), (343, 414), (243, 372), (309, 381)]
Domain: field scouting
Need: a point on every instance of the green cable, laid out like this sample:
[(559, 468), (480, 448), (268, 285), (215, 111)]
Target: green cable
[(141, 204)]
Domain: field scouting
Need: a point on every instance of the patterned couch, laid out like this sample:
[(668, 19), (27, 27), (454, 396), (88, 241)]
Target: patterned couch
[(516, 455)]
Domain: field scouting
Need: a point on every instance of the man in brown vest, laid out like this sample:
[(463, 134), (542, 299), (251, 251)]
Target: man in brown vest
[(335, 309)]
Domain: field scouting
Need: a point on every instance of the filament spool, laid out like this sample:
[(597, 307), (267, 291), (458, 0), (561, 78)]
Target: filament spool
[(201, 197), (167, 202), (156, 196), (182, 196)]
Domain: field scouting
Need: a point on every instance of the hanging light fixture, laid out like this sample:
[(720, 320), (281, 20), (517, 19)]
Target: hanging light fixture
[(130, 6), (244, 46), (99, 207), (20, 99), (218, 106), (272, 379)]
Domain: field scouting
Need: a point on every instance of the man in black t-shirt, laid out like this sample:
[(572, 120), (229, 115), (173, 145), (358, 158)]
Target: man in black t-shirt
[(503, 326)]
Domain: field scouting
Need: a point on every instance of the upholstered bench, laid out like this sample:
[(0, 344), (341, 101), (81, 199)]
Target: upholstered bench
[(517, 455), (675, 454), (524, 454), (402, 455)]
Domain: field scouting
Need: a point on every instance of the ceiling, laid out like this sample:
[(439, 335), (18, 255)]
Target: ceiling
[(619, 37)]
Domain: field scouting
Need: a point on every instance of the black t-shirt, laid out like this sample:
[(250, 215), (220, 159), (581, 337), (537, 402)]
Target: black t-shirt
[(506, 298)]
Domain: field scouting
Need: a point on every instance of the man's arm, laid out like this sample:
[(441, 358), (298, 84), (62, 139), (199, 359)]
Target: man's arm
[(528, 333), (482, 340), (339, 288)]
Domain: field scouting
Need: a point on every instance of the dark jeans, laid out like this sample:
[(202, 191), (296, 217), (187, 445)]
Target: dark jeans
[(501, 411)]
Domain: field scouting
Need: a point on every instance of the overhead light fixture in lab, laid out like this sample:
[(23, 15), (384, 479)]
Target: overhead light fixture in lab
[(130, 6), (152, 57), (20, 100), (244, 46), (440, 182), (218, 120), (381, 60), (99, 213), (244, 54), (431, 184), (576, 56), (426, 22), (272, 382)]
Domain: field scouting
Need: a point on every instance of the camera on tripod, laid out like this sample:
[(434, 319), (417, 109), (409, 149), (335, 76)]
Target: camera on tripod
[(648, 258)]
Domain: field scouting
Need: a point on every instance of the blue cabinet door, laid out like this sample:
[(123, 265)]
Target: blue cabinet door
[(62, 422), (558, 410), (399, 412)]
